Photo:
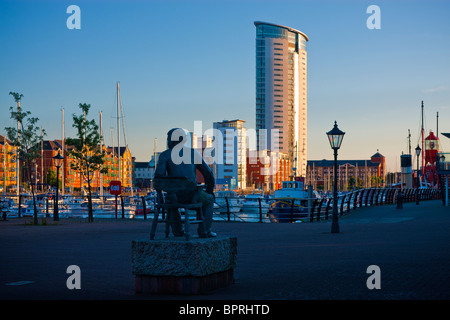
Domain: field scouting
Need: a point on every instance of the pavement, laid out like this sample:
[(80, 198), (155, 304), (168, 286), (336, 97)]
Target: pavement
[(301, 261)]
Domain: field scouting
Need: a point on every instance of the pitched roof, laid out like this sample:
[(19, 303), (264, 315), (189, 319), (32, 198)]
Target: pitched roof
[(377, 155), (2, 140), (51, 145), (122, 150)]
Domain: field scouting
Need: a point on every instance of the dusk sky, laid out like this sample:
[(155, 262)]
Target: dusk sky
[(183, 61)]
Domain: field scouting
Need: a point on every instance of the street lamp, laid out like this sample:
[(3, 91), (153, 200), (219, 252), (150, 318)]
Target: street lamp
[(418, 178), (335, 137), (58, 162)]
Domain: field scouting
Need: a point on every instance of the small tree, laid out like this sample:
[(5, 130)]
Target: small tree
[(27, 138), (351, 182), (87, 155)]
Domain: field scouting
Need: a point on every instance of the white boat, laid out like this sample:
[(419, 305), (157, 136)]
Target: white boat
[(234, 202), (251, 202)]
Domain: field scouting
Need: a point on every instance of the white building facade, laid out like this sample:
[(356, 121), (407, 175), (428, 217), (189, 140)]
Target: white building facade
[(230, 161)]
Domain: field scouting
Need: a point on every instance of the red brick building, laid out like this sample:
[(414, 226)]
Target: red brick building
[(268, 172)]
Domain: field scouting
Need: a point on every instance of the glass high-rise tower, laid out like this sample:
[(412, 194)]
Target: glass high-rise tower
[(281, 91)]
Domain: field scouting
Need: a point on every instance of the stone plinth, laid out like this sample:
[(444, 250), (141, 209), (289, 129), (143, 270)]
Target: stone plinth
[(174, 265)]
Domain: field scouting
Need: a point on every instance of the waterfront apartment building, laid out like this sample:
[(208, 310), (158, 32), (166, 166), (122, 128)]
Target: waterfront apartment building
[(231, 166), (281, 92), (8, 163), (74, 180), (368, 173)]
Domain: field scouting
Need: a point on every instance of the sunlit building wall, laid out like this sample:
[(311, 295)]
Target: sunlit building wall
[(281, 92)]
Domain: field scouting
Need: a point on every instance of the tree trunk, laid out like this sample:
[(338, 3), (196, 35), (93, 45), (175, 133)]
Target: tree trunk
[(91, 214), (35, 217)]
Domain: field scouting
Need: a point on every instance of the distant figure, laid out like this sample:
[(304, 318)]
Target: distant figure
[(180, 160)]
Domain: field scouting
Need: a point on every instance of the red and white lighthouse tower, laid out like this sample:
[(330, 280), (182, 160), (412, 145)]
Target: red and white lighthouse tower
[(431, 150)]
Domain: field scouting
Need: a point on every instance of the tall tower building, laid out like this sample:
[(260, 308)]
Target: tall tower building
[(281, 92)]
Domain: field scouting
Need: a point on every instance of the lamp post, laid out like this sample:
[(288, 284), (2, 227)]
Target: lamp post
[(418, 178), (58, 162), (335, 137)]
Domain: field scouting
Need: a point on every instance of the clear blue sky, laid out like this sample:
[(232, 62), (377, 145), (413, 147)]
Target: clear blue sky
[(182, 61)]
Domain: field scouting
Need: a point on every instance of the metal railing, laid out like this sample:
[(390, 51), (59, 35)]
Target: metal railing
[(142, 207), (323, 208)]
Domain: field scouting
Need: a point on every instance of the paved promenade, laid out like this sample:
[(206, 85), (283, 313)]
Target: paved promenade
[(275, 261)]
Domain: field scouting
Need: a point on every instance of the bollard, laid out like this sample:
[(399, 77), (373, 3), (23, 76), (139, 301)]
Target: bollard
[(47, 215), (228, 208), (20, 206), (400, 200), (260, 210), (144, 207), (292, 211), (123, 207)]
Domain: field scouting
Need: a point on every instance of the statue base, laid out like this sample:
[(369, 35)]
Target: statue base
[(177, 266)]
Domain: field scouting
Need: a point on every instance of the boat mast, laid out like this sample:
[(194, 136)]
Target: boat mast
[(17, 151), (126, 146), (423, 149), (62, 151), (118, 129), (409, 141), (113, 162), (42, 159), (437, 125), (154, 151), (4, 165), (101, 150)]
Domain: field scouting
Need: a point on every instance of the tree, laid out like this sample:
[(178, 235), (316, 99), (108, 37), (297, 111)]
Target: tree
[(351, 182), (27, 138), (359, 182), (86, 153), (52, 180)]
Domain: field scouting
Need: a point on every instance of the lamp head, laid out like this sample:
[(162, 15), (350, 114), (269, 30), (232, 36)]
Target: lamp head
[(335, 136)]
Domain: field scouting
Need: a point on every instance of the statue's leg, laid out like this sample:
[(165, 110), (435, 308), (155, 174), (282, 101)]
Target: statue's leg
[(204, 229), (177, 227)]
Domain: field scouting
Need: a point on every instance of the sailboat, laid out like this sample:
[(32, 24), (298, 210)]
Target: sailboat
[(119, 116)]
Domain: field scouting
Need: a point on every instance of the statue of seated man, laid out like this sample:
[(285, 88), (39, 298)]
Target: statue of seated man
[(180, 160)]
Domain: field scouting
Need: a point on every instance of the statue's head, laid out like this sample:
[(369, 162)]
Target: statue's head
[(175, 136)]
